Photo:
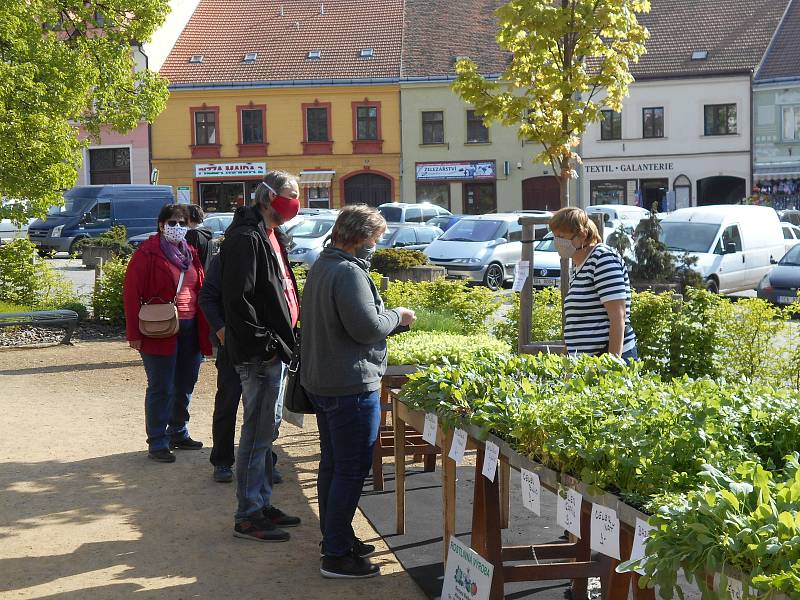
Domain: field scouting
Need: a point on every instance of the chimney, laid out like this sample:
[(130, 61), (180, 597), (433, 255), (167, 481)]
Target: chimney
[(281, 9), (322, 8)]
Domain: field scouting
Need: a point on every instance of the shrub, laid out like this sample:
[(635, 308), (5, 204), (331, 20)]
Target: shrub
[(654, 262), (389, 260), (428, 348), (436, 320), (300, 275), (28, 281), (115, 238), (78, 307), (545, 318), (107, 300)]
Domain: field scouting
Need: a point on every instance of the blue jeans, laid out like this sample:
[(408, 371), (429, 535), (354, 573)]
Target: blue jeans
[(262, 399), (170, 383), (348, 429), (631, 355)]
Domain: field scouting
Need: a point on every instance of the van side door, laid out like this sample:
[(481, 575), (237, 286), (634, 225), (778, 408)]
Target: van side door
[(731, 271), (98, 218)]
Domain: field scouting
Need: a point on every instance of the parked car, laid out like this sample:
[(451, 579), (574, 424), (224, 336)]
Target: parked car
[(444, 222), (309, 237), (90, 210), (736, 245), (410, 236), (539, 231), (304, 213), (628, 216), (405, 212), (780, 285), (790, 215), (216, 222), (791, 235), (480, 248)]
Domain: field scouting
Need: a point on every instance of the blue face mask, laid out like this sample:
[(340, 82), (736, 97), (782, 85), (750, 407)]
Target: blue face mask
[(366, 252)]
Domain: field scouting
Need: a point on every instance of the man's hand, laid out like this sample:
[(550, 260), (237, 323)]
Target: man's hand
[(221, 336), (135, 344), (407, 316)]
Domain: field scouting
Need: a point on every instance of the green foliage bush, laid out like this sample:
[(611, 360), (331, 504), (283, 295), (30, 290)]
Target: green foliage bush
[(300, 275), (390, 260), (545, 318), (436, 320), (427, 348), (116, 238), (107, 300)]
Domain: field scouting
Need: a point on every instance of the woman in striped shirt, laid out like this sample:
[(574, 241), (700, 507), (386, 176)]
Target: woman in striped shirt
[(597, 307)]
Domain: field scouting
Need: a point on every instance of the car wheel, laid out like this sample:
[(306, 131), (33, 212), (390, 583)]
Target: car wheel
[(73, 251), (712, 285), (493, 279)]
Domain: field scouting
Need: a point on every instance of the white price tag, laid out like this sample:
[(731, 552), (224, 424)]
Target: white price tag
[(735, 589), (431, 426), (568, 512), (490, 457), (521, 272), (605, 531), (531, 491), (459, 446), (640, 540)]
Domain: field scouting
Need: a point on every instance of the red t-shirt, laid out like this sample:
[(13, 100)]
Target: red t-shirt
[(286, 279)]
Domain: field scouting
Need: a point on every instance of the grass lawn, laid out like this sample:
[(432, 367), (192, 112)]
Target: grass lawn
[(6, 307)]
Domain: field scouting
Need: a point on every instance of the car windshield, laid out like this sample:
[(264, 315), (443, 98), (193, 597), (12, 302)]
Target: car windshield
[(547, 244), (70, 207), (791, 258), (392, 214), (387, 235), (311, 228), (472, 230), (688, 237)]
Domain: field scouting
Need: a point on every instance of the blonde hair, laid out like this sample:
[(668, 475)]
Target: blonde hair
[(577, 222)]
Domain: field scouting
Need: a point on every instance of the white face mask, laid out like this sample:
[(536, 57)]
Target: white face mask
[(564, 247), (175, 234)]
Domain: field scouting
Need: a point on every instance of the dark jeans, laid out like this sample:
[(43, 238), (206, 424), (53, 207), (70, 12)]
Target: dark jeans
[(170, 383), (226, 405), (631, 355), (348, 429)]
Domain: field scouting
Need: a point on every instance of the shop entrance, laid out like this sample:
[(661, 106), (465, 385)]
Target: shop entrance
[(479, 198), (221, 197), (367, 188), (654, 191), (720, 190), (541, 193)]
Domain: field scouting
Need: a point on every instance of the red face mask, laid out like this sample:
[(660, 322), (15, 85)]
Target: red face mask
[(287, 208)]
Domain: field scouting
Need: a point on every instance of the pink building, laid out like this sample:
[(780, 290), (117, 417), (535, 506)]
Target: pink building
[(117, 158)]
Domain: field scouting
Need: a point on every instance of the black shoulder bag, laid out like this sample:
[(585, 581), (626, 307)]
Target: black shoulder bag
[(295, 398)]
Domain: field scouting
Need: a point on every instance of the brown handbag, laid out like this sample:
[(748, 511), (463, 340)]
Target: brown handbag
[(160, 320)]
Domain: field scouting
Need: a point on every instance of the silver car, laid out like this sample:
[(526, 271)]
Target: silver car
[(480, 248), (309, 237)]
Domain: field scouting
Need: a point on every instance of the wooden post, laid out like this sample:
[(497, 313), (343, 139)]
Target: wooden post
[(486, 525), (448, 492), (400, 472), (504, 473), (98, 275)]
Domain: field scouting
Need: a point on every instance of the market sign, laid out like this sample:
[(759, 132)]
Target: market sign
[(468, 576), (642, 167), (237, 169), (465, 170)]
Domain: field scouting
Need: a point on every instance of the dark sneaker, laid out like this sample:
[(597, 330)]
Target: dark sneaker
[(163, 455), (360, 549), (279, 518), (259, 530), (347, 567), (186, 443), (223, 474)]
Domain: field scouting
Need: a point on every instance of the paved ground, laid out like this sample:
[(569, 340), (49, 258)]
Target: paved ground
[(81, 277), (85, 515)]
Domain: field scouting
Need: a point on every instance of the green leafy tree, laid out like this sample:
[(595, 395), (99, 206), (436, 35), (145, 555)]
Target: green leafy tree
[(66, 64), (569, 60)]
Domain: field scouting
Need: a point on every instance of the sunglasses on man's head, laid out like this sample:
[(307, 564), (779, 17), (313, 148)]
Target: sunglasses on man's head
[(174, 223)]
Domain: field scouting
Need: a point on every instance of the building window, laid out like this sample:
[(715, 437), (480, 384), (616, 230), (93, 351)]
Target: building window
[(791, 123), (433, 127), (611, 125), (607, 192), (477, 132), (317, 124), (653, 122), (367, 123), (319, 197), (252, 126), (435, 193), (109, 165), (720, 119), (205, 127)]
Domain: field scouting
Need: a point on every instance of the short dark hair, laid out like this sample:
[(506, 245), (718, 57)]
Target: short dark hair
[(356, 224), (173, 211), (196, 214)]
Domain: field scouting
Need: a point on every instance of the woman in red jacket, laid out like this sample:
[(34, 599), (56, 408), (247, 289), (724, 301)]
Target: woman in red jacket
[(171, 364)]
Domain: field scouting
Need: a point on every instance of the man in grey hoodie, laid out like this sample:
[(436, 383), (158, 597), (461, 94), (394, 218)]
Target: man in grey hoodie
[(343, 358)]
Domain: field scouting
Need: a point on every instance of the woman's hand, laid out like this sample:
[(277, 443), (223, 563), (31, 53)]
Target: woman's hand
[(135, 344), (407, 316), (616, 331), (221, 336)]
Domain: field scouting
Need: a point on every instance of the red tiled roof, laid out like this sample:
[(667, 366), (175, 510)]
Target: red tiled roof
[(438, 31), (223, 31), (783, 56)]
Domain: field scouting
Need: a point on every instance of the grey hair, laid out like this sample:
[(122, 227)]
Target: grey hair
[(277, 180), (356, 224)]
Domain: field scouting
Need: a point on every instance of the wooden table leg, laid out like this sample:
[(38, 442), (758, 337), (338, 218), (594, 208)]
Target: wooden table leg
[(486, 525), (377, 466), (430, 463), (400, 473), (504, 473), (580, 587), (639, 594), (448, 494)]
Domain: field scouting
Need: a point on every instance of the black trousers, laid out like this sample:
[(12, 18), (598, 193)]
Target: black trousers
[(226, 405)]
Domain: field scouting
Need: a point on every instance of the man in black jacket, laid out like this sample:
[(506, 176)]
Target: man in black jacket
[(259, 296), (199, 235)]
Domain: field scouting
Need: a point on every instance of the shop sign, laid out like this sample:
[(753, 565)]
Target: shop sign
[(237, 169), (468, 576), (643, 167), (464, 171), (184, 194)]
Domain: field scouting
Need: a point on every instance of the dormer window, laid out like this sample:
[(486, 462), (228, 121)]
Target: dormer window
[(314, 54), (196, 59), (367, 53), (700, 55), (250, 57)]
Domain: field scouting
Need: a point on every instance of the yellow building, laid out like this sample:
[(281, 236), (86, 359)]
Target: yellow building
[(322, 100)]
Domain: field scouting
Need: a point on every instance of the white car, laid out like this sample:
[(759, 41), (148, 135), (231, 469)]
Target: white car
[(309, 237), (791, 235), (628, 216)]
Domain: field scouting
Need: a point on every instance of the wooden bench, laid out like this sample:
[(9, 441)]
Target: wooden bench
[(66, 319)]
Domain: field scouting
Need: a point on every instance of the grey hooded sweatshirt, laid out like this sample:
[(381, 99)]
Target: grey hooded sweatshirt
[(343, 327)]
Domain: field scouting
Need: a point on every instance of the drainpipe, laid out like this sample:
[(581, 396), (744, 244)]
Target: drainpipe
[(402, 153), (749, 191)]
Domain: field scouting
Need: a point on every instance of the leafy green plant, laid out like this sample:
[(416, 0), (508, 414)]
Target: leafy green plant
[(115, 239), (654, 263), (300, 275), (390, 260), (28, 281), (107, 300), (436, 320), (621, 242), (545, 318), (426, 348)]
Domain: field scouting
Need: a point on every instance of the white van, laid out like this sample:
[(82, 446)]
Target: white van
[(735, 245), (627, 216)]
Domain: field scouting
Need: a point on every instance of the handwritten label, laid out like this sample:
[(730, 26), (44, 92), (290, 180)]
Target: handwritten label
[(531, 491), (467, 576), (521, 272), (568, 512), (490, 457), (605, 531), (735, 589), (459, 446), (431, 426), (640, 540)]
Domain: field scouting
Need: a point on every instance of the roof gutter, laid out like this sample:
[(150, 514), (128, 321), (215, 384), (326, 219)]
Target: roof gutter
[(777, 80), (284, 83)]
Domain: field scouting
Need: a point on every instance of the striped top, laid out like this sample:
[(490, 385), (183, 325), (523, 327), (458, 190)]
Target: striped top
[(602, 278)]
